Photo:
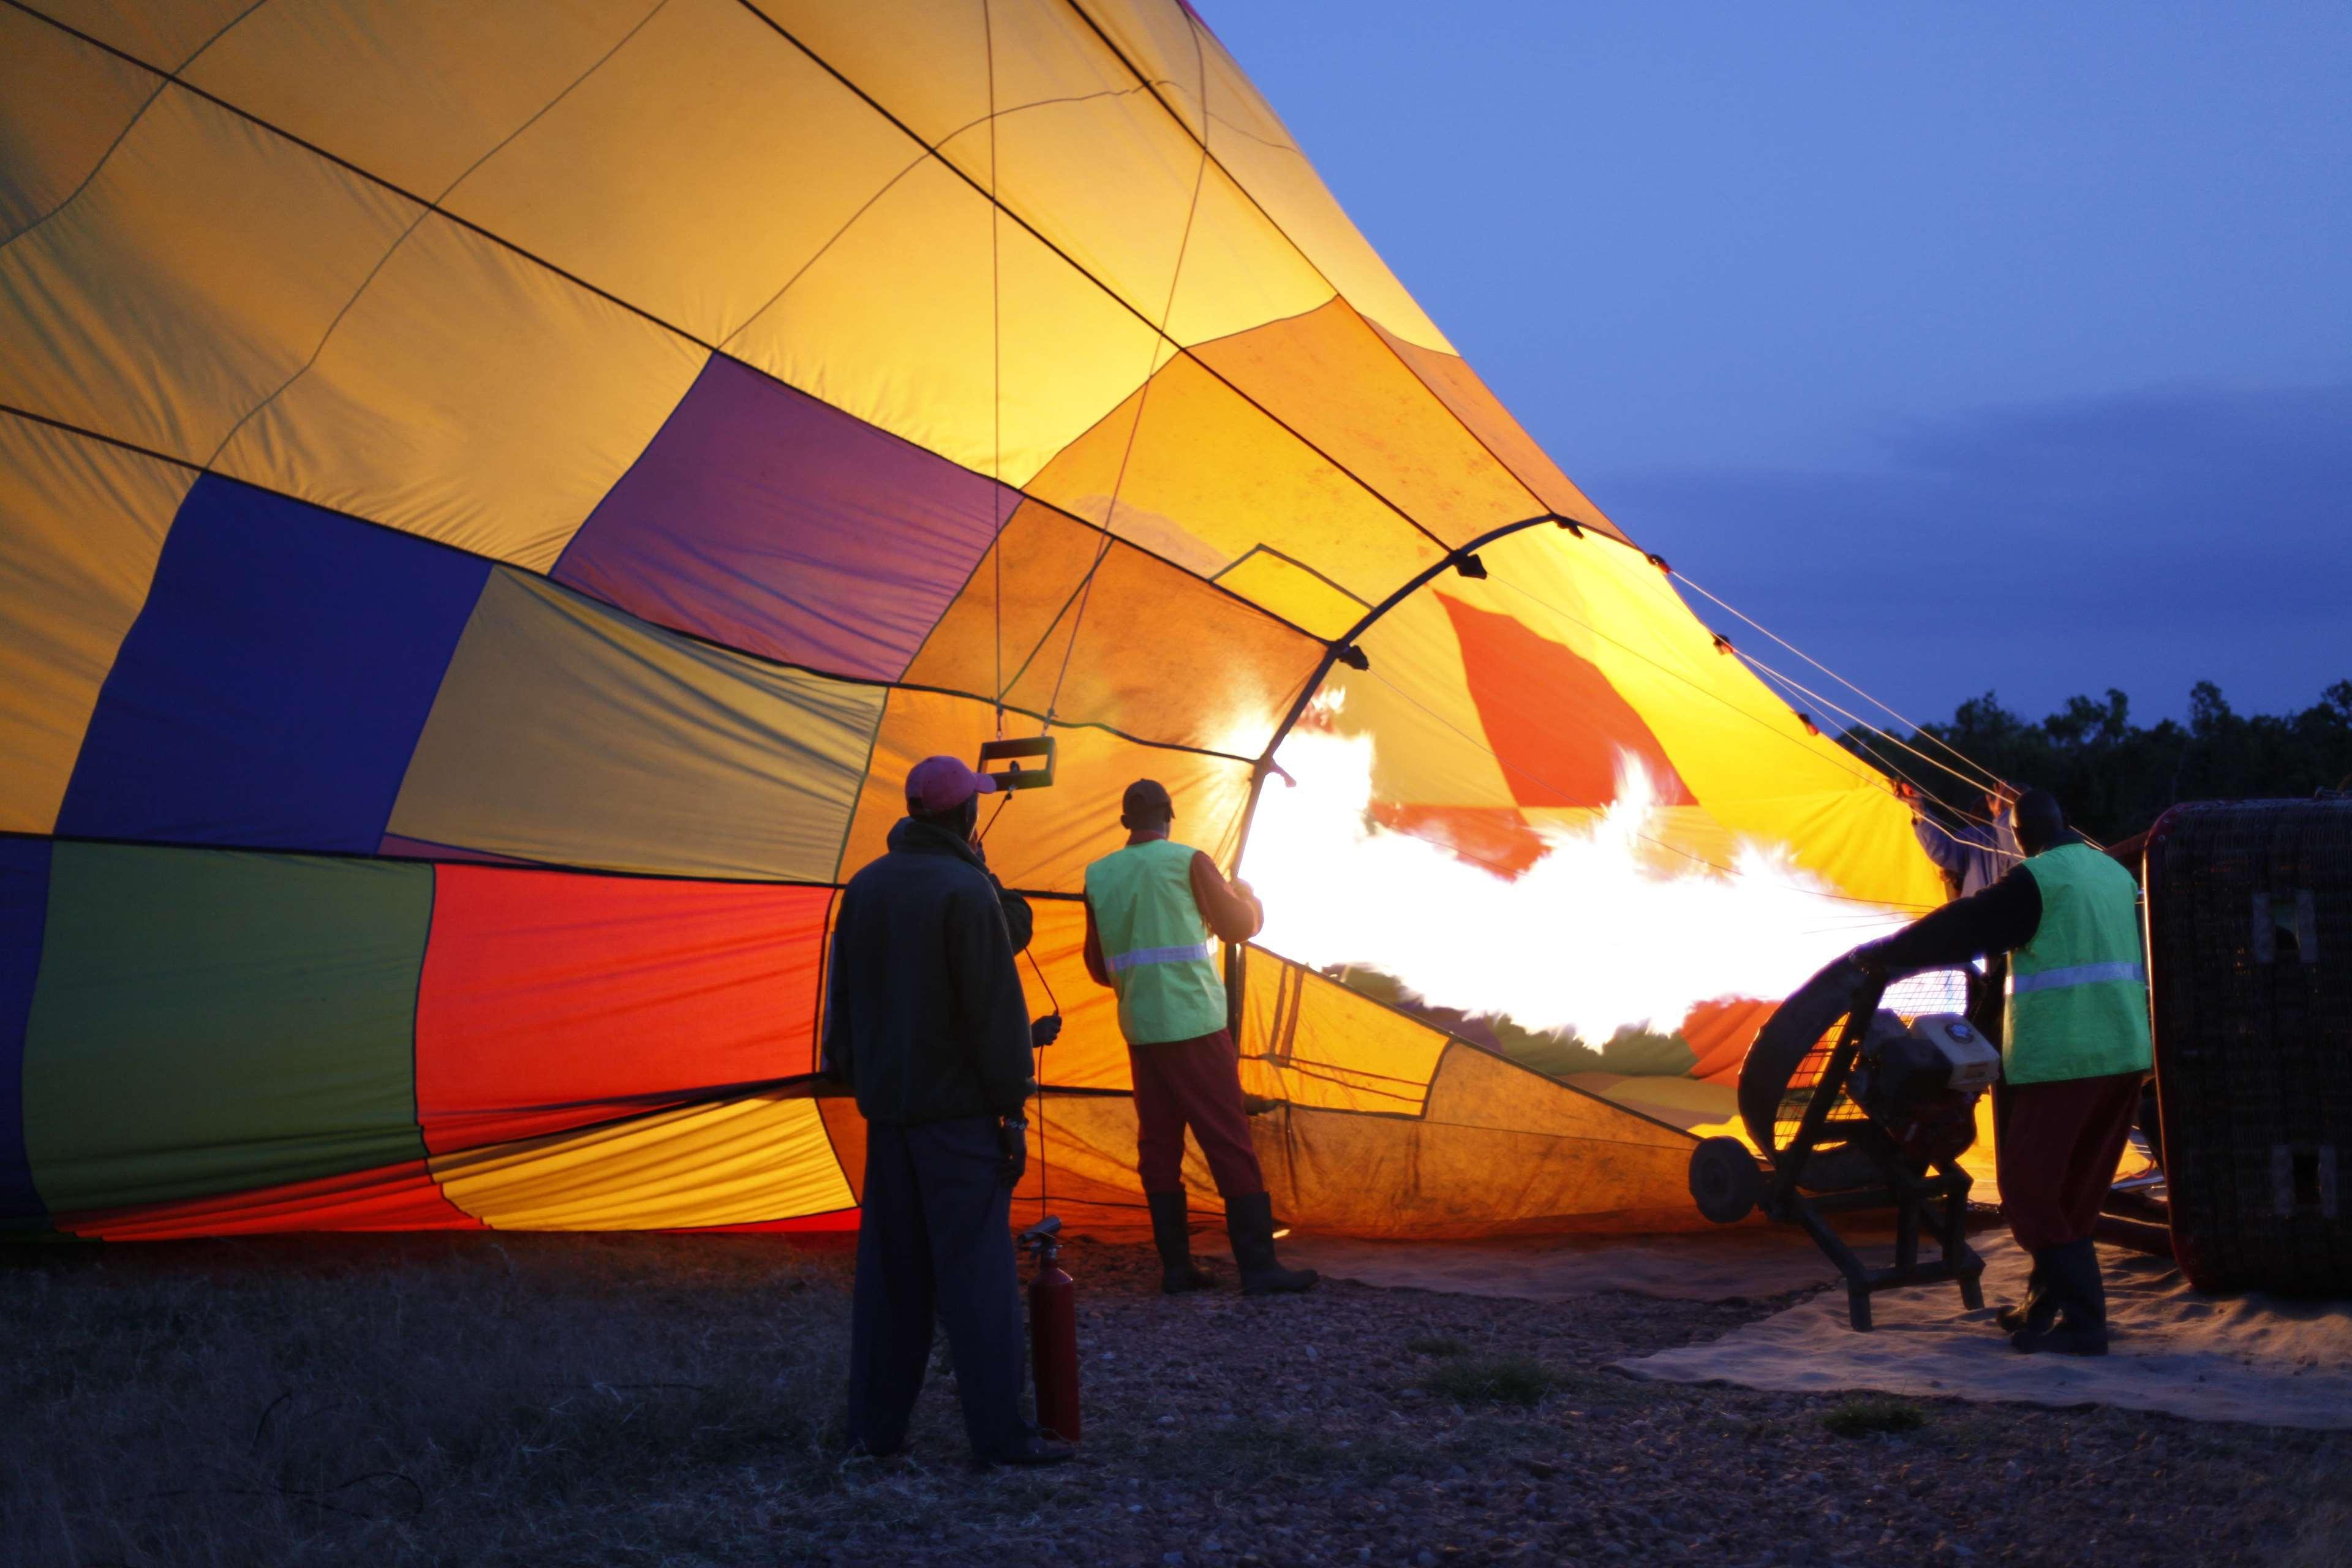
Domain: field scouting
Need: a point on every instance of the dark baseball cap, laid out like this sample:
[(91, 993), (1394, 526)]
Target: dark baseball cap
[(1146, 798), (941, 784)]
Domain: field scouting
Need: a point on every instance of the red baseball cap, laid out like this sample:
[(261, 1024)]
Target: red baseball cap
[(941, 784)]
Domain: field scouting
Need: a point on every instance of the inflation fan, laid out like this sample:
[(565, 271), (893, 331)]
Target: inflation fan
[(1858, 1108)]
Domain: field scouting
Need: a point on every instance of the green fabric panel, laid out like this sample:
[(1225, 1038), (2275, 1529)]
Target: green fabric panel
[(569, 733), (211, 1021)]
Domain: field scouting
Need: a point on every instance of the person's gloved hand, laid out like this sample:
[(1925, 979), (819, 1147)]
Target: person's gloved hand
[(1044, 1031), (1011, 1149), (1870, 957)]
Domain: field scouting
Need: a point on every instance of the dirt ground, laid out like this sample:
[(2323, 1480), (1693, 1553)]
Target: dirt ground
[(476, 1400)]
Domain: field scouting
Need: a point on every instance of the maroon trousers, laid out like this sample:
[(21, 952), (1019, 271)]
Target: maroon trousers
[(2056, 1146), (1194, 1083)]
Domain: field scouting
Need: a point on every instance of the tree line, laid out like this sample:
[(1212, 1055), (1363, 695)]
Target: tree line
[(2114, 777)]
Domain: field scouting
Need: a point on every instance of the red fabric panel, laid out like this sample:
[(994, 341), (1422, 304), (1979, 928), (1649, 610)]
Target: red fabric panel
[(551, 1000), (396, 1197), (838, 1222), (1719, 1034), (1551, 717), (1492, 837)]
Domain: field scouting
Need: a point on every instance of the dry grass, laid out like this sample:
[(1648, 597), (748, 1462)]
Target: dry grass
[(1491, 1379), (1870, 1413)]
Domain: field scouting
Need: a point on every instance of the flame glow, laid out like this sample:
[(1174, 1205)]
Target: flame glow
[(1603, 934)]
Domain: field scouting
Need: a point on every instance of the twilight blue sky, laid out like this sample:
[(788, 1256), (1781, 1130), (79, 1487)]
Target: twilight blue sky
[(1995, 346)]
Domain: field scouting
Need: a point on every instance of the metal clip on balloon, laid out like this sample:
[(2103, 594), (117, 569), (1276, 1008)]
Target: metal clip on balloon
[(1053, 1332), (1014, 751), (1857, 1110)]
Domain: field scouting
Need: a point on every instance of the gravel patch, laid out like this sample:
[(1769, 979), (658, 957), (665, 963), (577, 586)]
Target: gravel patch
[(1353, 1425)]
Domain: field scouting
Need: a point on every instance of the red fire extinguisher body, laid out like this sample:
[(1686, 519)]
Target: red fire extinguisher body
[(1053, 1335)]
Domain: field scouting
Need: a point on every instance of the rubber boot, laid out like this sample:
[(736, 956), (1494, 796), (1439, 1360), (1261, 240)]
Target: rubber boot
[(2082, 1292), (1171, 1230), (2040, 1308), (1249, 1222)]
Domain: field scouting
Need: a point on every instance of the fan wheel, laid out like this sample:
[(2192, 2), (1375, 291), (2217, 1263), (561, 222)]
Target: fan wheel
[(1724, 1180)]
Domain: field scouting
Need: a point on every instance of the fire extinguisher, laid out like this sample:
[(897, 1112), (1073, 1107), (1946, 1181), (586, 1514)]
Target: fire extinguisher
[(1053, 1332)]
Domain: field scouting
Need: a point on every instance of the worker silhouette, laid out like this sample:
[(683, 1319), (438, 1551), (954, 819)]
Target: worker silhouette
[(1152, 909), (2074, 1047), (925, 1020), (1975, 854)]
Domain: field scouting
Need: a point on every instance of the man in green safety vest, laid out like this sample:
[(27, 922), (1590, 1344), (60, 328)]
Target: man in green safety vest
[(2074, 1048), (1155, 912)]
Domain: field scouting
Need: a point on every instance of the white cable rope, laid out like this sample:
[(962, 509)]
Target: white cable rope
[(1811, 695), (1985, 774), (1830, 704)]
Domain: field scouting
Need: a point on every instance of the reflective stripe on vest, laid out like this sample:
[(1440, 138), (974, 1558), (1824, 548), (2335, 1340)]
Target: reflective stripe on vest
[(1191, 953), (2078, 988), (1160, 951), (2080, 974)]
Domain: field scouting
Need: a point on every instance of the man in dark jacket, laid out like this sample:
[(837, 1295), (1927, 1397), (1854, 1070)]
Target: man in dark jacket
[(2074, 1047), (926, 1021)]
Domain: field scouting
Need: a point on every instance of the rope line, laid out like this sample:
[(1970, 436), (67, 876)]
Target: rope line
[(1143, 404), (1830, 704), (1985, 776)]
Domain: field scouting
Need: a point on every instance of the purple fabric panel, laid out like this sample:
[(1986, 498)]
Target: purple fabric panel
[(764, 520)]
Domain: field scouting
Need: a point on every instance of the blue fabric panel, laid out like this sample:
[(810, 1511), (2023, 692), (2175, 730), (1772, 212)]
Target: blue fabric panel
[(24, 910), (271, 690)]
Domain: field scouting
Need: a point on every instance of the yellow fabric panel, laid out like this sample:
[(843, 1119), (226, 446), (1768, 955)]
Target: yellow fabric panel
[(898, 323), (1160, 45), (1082, 1168), (1477, 1088), (1327, 375), (1295, 592), (1116, 183), (694, 172), (1311, 1041), (1042, 839), (1251, 141), (1429, 747), (1023, 589), (1185, 63), (1338, 1171), (196, 271), (1210, 672), (1264, 487), (740, 1161), (163, 33), (470, 396), (412, 91), (1091, 1052), (1700, 1108), (62, 104), (81, 525), (1743, 753), (1455, 385), (1755, 771), (569, 734), (925, 61)]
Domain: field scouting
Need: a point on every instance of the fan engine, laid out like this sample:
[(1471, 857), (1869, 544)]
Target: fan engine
[(1858, 1108)]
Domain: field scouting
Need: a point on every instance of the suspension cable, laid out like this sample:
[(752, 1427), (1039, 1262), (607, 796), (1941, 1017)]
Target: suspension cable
[(1985, 774)]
